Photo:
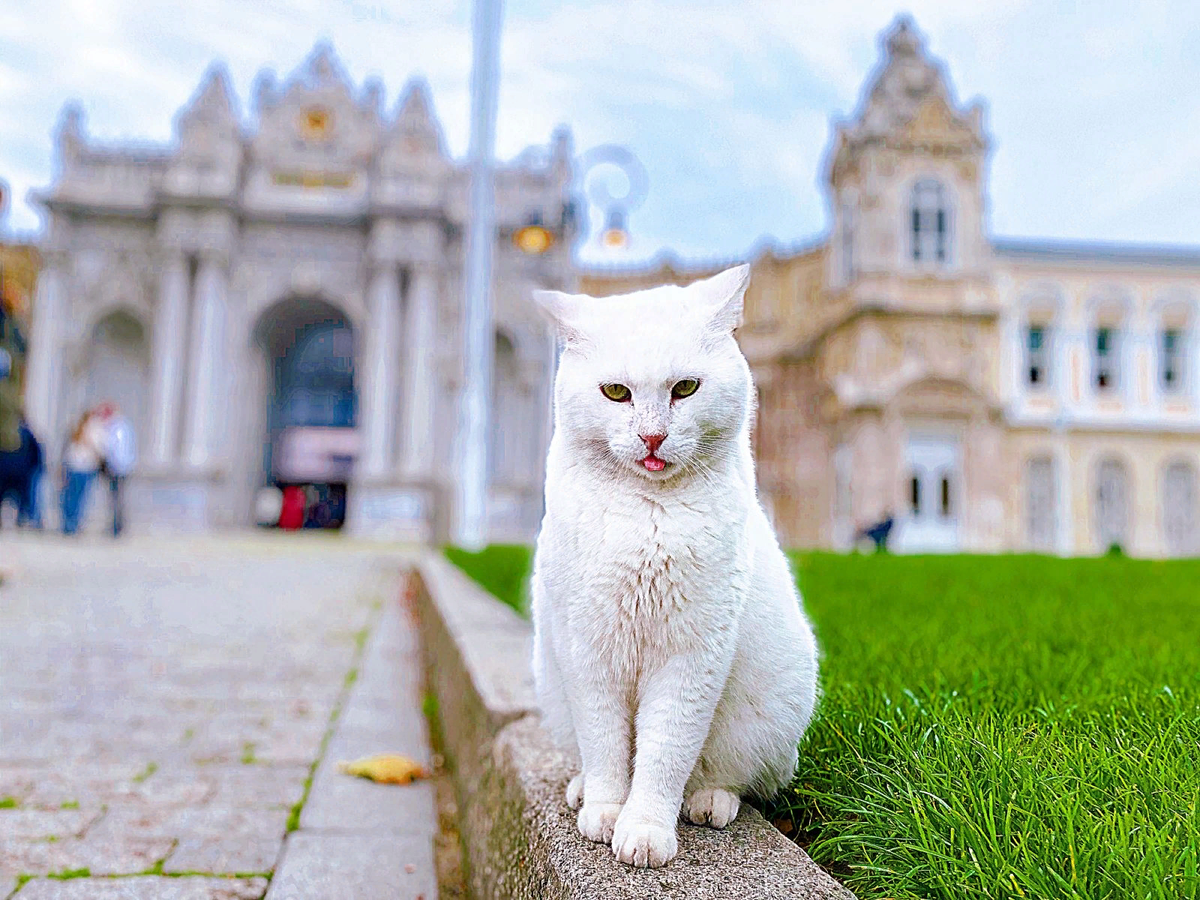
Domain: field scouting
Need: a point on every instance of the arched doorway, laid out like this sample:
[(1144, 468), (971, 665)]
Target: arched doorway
[(311, 410), (118, 366)]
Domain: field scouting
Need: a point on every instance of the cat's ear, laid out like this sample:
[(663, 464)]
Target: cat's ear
[(564, 311), (724, 298)]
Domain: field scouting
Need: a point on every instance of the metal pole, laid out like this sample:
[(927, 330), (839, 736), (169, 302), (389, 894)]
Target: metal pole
[(470, 522)]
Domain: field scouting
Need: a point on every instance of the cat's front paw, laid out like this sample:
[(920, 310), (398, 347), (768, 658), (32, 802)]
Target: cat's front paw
[(575, 791), (597, 820), (712, 806), (644, 844)]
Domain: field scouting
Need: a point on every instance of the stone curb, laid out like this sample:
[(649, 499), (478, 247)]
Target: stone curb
[(519, 837)]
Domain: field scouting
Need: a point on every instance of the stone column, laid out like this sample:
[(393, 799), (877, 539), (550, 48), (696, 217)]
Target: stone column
[(45, 355), (379, 398), (207, 327), (421, 329), (168, 352)]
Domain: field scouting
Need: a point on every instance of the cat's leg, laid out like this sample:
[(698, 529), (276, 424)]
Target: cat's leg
[(751, 744), (575, 792), (600, 713), (673, 719)]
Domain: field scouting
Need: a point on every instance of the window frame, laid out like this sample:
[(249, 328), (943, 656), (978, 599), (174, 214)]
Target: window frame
[(1111, 356), (930, 243), (1177, 355), (1170, 491), (1042, 357)]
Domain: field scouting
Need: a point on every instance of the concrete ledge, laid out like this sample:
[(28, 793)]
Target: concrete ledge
[(519, 837)]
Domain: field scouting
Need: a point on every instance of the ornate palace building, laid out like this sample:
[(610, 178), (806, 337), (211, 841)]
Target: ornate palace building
[(274, 295), (990, 394)]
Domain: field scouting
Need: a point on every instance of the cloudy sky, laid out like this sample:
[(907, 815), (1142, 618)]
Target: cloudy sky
[(1093, 105)]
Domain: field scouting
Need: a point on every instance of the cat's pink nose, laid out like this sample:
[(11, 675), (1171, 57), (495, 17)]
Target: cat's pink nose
[(653, 441)]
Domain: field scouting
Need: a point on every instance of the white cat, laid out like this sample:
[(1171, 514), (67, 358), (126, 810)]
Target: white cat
[(670, 648)]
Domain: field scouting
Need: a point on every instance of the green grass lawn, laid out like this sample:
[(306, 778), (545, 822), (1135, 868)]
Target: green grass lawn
[(1011, 726)]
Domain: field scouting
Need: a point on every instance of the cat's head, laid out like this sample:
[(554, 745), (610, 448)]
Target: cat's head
[(653, 382)]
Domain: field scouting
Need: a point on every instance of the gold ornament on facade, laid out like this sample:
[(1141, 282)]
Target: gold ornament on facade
[(315, 123)]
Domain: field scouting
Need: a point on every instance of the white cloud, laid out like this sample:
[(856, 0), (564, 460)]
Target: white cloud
[(727, 104)]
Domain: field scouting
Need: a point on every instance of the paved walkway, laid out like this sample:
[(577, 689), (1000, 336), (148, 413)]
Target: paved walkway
[(173, 712)]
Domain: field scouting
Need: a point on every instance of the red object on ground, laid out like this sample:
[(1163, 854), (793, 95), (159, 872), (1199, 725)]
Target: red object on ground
[(291, 516)]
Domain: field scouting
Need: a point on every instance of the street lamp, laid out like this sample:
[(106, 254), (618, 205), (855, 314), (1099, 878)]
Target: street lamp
[(470, 520), (614, 180)]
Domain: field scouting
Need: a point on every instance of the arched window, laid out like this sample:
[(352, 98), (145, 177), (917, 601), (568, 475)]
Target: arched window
[(1172, 360), (1041, 521), (930, 223), (1106, 358), (1110, 510), (1179, 500)]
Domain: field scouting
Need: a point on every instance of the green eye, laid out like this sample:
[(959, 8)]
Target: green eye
[(618, 393), (684, 388)]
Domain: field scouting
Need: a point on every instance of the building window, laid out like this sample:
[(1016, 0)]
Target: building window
[(1110, 509), (1041, 521), (945, 497), (915, 498), (1179, 501), (1037, 356), (930, 223), (1171, 361), (1106, 362)]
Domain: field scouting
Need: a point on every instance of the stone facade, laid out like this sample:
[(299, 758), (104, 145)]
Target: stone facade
[(991, 394), (180, 281)]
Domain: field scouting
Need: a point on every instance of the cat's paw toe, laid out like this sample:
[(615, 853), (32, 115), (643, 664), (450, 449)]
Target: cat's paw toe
[(643, 844), (575, 792), (597, 820), (712, 806)]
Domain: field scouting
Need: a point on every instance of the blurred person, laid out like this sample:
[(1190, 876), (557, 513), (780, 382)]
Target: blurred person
[(118, 456), (19, 468), (879, 533), (295, 501), (29, 508), (80, 463), (268, 505)]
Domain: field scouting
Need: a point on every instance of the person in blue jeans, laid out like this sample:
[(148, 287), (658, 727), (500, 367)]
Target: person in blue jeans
[(29, 512), (81, 462)]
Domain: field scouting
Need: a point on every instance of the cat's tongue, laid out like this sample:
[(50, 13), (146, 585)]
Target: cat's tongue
[(653, 463)]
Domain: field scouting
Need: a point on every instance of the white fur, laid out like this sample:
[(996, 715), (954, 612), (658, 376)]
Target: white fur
[(670, 648)]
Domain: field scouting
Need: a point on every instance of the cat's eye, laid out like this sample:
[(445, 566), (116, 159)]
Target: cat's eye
[(684, 388), (618, 393)]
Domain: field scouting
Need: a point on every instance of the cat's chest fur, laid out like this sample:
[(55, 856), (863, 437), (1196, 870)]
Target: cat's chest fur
[(649, 578)]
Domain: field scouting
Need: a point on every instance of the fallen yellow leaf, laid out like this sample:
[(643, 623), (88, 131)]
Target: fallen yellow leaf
[(387, 768)]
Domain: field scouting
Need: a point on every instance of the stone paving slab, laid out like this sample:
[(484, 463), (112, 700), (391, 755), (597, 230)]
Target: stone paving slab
[(344, 804), (166, 701), (225, 853), (110, 855), (145, 888), (355, 867)]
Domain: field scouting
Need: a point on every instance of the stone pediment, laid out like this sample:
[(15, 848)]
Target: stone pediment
[(936, 125), (414, 143), (909, 102), (315, 123)]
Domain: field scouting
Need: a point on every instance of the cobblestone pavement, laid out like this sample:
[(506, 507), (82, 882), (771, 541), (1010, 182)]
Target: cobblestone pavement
[(172, 712)]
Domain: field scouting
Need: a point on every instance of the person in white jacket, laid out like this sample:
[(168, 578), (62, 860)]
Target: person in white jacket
[(119, 457)]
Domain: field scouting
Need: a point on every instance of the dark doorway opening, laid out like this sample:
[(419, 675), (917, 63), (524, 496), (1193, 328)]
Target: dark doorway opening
[(311, 440)]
